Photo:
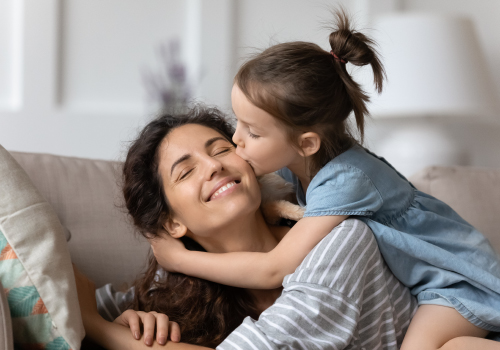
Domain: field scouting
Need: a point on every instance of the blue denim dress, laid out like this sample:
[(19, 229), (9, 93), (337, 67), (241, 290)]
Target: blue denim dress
[(426, 244)]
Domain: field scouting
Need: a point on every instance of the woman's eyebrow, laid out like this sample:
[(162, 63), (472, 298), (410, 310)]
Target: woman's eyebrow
[(208, 143), (180, 160), (213, 139)]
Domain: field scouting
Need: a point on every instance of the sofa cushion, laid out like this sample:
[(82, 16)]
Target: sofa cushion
[(86, 195), (35, 266), (473, 192)]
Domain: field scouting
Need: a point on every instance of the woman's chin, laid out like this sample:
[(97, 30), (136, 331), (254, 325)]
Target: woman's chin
[(239, 210), (231, 210)]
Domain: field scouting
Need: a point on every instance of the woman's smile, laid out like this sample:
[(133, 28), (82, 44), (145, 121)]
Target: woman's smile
[(223, 188)]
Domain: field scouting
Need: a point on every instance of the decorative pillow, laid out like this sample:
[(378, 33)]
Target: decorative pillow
[(35, 266)]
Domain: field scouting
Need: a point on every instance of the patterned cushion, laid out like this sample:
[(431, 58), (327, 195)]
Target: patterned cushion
[(31, 321), (35, 266)]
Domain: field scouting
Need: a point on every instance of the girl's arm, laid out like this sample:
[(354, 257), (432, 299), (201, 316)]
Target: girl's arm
[(248, 269)]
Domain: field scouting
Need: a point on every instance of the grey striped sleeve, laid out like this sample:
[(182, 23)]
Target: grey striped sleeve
[(341, 296), (111, 304)]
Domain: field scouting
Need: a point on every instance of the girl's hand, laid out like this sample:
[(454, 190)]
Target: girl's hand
[(148, 320), (169, 252)]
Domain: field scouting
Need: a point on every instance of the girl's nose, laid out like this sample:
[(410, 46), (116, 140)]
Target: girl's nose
[(237, 138)]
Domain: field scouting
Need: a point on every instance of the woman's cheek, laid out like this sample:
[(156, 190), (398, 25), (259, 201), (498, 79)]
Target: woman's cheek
[(183, 198)]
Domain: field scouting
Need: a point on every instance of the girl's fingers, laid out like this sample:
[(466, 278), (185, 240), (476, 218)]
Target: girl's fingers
[(161, 328), (175, 332), (149, 323)]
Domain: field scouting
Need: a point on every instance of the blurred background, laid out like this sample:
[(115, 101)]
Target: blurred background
[(79, 77)]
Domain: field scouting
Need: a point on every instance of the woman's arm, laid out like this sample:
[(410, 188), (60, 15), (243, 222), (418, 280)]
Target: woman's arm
[(114, 336), (248, 269), (108, 334)]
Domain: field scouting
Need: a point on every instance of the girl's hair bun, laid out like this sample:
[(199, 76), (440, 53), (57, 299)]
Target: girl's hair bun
[(354, 47)]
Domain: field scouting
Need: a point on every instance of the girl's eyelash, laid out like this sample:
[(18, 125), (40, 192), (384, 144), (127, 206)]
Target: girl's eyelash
[(253, 136)]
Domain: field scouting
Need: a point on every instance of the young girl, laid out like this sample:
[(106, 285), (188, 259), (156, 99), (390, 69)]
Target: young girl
[(292, 102)]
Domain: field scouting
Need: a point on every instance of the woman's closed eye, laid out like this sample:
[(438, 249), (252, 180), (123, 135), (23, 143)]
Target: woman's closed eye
[(217, 152), (183, 175), (220, 151)]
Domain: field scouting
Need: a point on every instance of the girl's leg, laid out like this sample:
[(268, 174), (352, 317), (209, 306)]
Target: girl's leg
[(471, 343), (439, 327)]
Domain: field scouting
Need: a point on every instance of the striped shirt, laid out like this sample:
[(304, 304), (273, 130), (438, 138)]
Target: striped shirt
[(342, 296)]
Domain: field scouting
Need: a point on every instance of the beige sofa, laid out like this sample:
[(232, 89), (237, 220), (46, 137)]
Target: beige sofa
[(86, 196)]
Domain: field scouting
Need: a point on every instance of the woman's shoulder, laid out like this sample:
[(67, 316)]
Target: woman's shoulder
[(345, 252)]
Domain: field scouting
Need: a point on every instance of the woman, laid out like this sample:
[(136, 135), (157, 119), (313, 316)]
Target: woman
[(183, 176)]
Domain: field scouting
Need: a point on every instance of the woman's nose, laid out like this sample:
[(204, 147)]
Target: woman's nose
[(213, 167)]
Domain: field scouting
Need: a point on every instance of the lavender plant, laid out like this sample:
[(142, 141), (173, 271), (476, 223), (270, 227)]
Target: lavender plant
[(169, 87)]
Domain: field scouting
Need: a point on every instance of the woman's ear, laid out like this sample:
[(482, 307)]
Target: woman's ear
[(309, 143), (175, 228)]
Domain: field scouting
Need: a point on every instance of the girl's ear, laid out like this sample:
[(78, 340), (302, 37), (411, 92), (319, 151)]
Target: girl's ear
[(309, 143), (175, 228)]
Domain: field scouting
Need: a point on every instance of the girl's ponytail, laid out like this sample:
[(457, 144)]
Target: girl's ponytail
[(349, 46)]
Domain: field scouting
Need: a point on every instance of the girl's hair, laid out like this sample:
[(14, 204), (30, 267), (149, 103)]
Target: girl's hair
[(206, 312), (309, 89)]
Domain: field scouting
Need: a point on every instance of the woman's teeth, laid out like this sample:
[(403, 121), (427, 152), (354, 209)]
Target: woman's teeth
[(223, 188)]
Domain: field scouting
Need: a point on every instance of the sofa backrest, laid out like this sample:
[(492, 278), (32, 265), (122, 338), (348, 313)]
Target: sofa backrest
[(86, 196)]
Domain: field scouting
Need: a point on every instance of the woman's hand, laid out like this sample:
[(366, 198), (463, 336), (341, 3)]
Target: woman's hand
[(148, 320), (168, 251), (114, 335)]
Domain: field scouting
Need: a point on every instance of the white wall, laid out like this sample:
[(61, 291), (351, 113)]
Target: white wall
[(71, 79), (70, 70)]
